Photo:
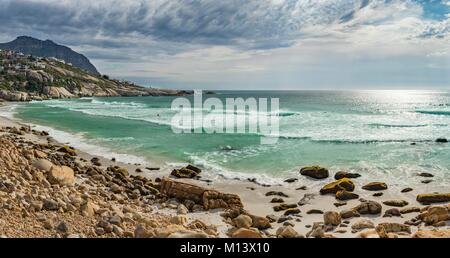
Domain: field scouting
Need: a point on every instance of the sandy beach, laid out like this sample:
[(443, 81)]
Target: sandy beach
[(391, 212)]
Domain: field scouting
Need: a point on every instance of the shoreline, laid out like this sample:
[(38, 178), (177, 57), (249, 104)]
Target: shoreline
[(256, 202)]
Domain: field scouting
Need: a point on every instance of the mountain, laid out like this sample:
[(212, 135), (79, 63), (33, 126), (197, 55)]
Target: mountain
[(26, 77), (48, 48)]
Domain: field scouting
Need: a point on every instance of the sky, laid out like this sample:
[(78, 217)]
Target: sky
[(249, 45)]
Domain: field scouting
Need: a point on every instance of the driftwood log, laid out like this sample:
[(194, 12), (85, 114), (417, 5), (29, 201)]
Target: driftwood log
[(210, 199)]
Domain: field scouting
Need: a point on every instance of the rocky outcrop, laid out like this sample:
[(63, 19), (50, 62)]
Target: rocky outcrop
[(334, 187), (210, 199), (433, 198), (375, 186), (315, 172)]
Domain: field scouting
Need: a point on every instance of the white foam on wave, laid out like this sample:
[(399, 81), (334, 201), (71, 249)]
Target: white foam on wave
[(78, 141)]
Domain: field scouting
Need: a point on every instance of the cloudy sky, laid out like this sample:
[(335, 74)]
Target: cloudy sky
[(253, 44)]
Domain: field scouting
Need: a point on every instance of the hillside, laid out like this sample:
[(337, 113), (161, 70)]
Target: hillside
[(25, 78), (47, 48)]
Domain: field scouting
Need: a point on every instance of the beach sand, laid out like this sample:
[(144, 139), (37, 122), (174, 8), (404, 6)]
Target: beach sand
[(255, 201)]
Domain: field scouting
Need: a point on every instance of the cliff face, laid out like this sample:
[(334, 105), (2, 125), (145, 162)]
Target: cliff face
[(47, 48), (24, 78)]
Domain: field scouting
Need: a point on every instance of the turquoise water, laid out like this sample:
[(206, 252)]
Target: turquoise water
[(369, 132)]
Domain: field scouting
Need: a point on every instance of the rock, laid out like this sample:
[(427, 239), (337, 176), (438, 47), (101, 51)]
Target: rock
[(375, 186), (260, 222), (271, 218), (246, 233), (194, 168), (396, 203), (39, 154), (368, 234), (343, 174), (88, 209), (409, 210), (344, 195), (407, 190), (377, 194), (314, 211), (332, 218), (272, 193), (243, 221), (393, 228), (286, 232), (188, 234), (184, 173), (142, 232), (368, 207), (422, 233), (339, 204), (434, 215), (291, 180), (284, 218), (51, 205), (341, 184), (179, 220), (291, 211), (441, 140), (61, 175), (350, 213), (43, 164), (99, 231), (182, 210), (425, 174), (276, 200), (433, 198), (63, 227), (315, 172), (426, 181), (394, 212), (283, 207), (210, 199), (306, 199), (67, 150), (363, 224)]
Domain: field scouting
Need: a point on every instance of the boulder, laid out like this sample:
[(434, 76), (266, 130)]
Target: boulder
[(363, 224), (368, 207), (291, 211), (61, 175), (375, 186), (350, 213), (260, 222), (433, 198), (315, 172), (43, 164), (343, 174), (243, 221), (332, 218), (341, 184), (68, 150), (394, 212), (422, 233), (434, 215), (286, 232), (187, 234), (396, 203), (392, 227), (184, 173), (210, 199), (344, 195), (246, 233), (425, 174)]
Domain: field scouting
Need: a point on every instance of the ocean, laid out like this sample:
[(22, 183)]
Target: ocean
[(383, 135)]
